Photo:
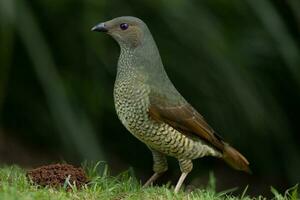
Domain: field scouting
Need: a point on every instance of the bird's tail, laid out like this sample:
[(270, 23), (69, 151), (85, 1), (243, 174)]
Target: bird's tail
[(235, 159)]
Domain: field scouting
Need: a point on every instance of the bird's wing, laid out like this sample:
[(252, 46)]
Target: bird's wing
[(183, 117)]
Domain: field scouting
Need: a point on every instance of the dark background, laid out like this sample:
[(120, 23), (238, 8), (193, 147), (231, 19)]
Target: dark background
[(237, 62)]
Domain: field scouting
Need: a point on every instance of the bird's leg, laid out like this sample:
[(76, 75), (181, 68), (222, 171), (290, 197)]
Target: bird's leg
[(186, 167), (152, 179), (160, 165), (180, 181)]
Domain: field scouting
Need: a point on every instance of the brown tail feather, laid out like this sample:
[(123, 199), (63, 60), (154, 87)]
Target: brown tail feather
[(235, 159)]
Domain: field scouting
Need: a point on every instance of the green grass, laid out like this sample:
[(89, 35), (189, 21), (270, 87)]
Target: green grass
[(14, 185)]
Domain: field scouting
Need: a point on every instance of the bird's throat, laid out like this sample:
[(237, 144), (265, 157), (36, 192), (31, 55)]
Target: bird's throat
[(142, 63)]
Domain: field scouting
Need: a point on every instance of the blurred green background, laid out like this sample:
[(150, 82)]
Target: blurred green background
[(237, 62)]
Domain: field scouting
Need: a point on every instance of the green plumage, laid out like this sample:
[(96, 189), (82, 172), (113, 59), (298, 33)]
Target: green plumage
[(151, 108)]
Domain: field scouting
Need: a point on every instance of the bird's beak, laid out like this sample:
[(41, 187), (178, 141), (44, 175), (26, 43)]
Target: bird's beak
[(100, 28)]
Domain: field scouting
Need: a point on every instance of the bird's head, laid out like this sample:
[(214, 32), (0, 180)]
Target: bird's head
[(127, 31)]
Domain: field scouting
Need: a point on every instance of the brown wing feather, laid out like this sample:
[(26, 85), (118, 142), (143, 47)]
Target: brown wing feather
[(186, 119)]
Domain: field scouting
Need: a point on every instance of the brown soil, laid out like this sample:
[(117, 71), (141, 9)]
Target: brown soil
[(55, 175)]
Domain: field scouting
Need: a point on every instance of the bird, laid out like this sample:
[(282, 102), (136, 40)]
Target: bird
[(151, 108)]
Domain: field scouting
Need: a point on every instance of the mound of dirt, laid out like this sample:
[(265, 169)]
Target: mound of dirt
[(56, 175)]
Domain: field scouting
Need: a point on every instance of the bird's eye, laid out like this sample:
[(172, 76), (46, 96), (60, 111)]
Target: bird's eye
[(124, 26)]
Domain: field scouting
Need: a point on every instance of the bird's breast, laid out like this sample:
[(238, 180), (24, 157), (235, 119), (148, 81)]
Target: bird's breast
[(131, 103)]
